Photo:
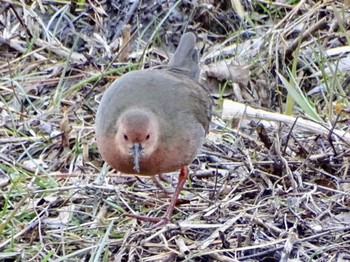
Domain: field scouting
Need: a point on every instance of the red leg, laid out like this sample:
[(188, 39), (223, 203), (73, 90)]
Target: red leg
[(167, 217)]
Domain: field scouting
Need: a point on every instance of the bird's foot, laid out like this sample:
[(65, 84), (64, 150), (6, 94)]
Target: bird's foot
[(158, 221), (167, 217)]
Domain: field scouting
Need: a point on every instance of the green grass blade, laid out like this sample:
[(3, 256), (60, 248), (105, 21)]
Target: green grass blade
[(295, 92)]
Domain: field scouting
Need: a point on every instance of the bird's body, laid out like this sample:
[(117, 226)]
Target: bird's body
[(154, 121), (177, 105)]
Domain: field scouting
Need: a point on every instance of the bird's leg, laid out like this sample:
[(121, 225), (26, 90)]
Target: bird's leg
[(167, 217), (182, 180)]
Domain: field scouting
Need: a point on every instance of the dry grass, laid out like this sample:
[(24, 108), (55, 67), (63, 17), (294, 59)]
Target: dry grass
[(259, 191)]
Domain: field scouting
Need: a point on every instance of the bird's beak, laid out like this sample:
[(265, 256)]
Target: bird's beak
[(136, 151)]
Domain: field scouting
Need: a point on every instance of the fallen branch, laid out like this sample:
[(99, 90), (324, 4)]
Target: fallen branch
[(233, 109)]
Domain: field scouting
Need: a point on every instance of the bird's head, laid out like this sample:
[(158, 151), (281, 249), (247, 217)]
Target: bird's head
[(137, 134)]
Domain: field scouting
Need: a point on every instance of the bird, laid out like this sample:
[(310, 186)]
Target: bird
[(154, 121)]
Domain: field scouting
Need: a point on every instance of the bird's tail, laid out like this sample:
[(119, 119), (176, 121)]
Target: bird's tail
[(186, 55)]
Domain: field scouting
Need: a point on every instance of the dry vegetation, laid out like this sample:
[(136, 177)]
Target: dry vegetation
[(262, 189)]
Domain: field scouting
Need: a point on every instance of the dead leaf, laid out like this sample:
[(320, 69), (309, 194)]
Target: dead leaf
[(65, 129), (124, 43), (223, 70)]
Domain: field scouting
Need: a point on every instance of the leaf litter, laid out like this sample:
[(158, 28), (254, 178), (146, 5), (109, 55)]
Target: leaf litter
[(262, 188)]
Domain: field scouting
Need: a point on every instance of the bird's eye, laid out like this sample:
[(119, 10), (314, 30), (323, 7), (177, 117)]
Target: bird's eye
[(147, 137), (126, 137)]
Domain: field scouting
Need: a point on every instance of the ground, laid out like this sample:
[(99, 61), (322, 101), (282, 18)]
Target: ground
[(272, 180)]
